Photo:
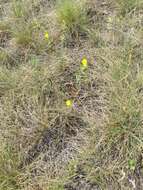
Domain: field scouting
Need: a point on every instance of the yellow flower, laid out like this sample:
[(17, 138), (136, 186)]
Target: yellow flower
[(69, 103), (46, 35), (84, 64)]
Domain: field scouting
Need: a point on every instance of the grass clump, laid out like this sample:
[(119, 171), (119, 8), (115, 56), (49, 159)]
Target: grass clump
[(129, 5), (6, 59), (31, 35), (24, 35), (71, 118), (72, 17), (18, 9), (8, 169), (126, 102), (4, 25), (21, 9)]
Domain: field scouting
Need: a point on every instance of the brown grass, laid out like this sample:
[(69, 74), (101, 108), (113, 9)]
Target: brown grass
[(97, 142)]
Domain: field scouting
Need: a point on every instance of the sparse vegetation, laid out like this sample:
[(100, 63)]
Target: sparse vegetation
[(129, 5), (71, 88), (72, 16)]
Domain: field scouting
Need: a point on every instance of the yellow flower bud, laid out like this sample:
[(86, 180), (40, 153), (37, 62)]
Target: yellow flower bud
[(46, 35), (69, 103)]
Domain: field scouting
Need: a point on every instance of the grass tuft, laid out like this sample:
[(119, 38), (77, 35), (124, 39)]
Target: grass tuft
[(72, 17), (71, 88)]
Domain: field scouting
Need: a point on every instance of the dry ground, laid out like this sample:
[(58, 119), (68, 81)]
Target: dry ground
[(96, 142)]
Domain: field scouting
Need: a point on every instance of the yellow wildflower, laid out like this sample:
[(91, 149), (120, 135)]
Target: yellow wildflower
[(46, 35), (84, 64), (69, 103)]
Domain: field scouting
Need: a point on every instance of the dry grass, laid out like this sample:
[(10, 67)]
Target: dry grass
[(95, 143)]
